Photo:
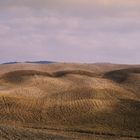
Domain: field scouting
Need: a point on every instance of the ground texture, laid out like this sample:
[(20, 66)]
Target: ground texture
[(69, 101)]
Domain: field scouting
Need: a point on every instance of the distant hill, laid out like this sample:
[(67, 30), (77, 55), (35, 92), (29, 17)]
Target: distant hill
[(34, 62), (40, 62), (10, 63)]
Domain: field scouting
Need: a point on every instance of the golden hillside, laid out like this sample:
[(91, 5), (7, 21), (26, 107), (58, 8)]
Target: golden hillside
[(69, 101)]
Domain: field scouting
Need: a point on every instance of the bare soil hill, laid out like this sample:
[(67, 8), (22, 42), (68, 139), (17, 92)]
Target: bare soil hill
[(69, 101)]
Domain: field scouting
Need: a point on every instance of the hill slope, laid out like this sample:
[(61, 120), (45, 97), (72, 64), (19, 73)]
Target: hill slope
[(90, 99)]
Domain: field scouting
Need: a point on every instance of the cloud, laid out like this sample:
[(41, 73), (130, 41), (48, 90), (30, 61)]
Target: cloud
[(80, 30), (78, 7), (70, 3)]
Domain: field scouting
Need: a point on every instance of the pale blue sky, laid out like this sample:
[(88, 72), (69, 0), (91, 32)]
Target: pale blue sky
[(70, 30)]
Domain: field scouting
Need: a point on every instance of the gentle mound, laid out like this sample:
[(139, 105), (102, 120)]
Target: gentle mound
[(18, 76), (121, 75)]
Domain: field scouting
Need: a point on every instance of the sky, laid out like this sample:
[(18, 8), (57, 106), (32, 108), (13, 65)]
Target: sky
[(85, 31)]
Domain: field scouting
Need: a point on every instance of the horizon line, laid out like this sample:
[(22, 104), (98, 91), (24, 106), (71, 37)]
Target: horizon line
[(49, 61)]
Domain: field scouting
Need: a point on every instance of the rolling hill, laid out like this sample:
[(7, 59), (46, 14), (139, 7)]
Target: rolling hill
[(69, 101)]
